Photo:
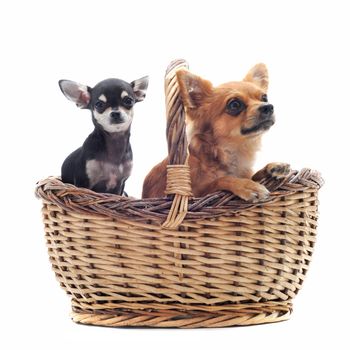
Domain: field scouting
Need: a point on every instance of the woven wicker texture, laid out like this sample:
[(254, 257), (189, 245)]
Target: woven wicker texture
[(202, 262)]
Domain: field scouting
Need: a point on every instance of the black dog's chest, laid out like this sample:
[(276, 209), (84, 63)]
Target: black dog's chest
[(109, 174)]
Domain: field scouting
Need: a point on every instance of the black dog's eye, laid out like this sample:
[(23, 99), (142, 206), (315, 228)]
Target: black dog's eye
[(100, 106), (128, 102), (235, 106), (264, 98)]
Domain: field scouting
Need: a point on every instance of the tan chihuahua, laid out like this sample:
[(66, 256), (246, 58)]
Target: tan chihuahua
[(224, 129)]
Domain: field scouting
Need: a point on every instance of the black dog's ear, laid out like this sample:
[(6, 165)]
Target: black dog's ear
[(140, 87), (78, 93)]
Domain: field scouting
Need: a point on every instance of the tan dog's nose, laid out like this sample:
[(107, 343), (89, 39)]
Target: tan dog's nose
[(266, 111)]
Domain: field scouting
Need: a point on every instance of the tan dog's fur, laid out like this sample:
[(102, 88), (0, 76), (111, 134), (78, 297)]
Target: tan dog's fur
[(221, 157)]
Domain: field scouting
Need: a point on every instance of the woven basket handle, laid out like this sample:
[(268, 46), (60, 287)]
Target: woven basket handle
[(176, 125), (178, 171)]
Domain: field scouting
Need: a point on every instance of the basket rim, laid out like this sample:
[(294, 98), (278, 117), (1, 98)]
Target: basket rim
[(71, 198)]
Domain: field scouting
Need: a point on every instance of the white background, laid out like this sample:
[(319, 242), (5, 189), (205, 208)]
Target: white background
[(305, 45)]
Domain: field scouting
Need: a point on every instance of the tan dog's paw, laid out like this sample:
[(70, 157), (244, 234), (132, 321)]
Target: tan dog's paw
[(277, 170), (251, 191)]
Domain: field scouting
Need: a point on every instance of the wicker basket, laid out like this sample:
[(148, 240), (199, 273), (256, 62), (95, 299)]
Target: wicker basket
[(214, 261)]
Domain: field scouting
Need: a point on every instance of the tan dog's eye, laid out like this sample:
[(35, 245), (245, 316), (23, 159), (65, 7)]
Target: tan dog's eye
[(264, 98), (235, 107)]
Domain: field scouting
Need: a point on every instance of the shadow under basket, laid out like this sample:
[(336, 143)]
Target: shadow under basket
[(179, 261)]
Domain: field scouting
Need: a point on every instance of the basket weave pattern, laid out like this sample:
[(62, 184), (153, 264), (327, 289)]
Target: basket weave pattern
[(179, 262)]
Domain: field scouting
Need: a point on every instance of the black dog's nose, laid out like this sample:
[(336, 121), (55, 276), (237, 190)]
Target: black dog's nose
[(266, 110), (116, 117)]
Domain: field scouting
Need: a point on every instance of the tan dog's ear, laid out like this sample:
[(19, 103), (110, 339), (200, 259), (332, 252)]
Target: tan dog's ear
[(192, 88), (259, 76)]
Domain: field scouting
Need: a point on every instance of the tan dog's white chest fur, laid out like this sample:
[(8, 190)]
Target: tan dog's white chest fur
[(102, 171), (236, 163)]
